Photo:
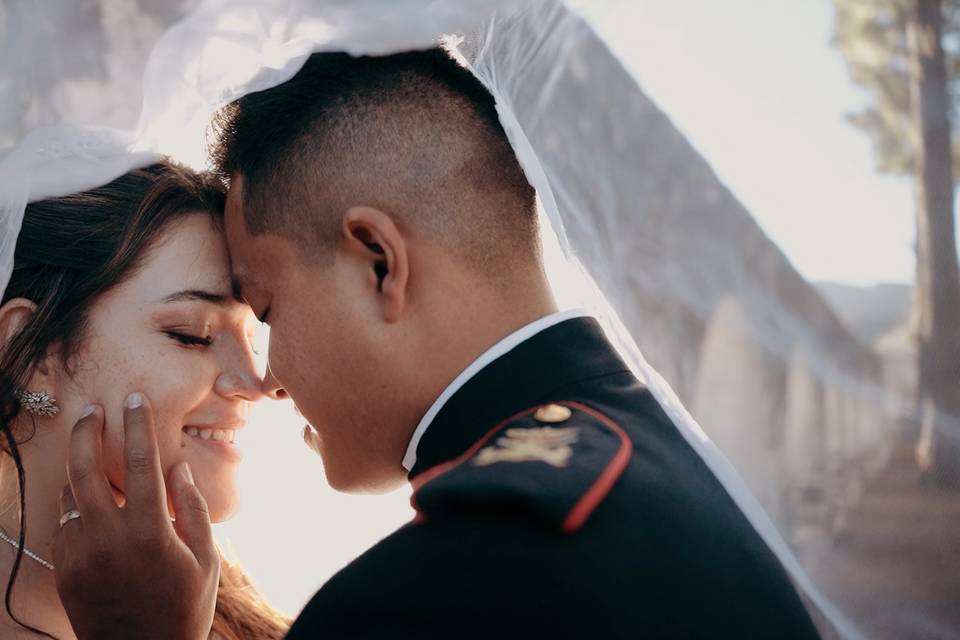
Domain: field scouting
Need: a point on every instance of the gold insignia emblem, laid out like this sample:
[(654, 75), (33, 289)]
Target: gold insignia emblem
[(544, 444), (552, 414)]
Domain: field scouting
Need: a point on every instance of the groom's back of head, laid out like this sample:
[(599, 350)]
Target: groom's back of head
[(413, 134)]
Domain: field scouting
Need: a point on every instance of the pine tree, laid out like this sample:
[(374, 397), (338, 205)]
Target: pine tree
[(906, 54)]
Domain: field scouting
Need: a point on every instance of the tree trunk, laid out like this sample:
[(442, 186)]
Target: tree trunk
[(937, 302)]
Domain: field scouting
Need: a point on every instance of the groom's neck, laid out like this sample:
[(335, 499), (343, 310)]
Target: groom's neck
[(491, 313)]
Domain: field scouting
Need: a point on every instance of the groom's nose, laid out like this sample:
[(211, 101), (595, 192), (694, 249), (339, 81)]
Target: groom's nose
[(271, 388)]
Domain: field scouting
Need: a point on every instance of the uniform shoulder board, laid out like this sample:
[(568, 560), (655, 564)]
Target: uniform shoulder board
[(554, 463)]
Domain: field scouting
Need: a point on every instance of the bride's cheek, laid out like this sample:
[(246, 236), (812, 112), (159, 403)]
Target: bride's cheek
[(113, 455)]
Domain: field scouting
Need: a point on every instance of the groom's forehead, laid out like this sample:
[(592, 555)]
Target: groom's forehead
[(238, 210), (234, 202), (235, 224)]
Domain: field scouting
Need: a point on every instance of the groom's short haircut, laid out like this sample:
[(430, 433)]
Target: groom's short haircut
[(414, 134)]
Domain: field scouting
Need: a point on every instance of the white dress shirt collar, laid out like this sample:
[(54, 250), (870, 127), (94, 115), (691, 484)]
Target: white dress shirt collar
[(501, 348)]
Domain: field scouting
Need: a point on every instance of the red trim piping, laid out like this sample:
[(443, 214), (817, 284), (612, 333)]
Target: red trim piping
[(440, 469), (590, 500), (587, 503)]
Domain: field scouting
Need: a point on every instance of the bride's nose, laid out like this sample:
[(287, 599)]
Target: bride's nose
[(239, 383)]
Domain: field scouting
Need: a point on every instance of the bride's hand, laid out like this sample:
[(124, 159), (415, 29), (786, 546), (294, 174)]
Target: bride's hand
[(129, 572)]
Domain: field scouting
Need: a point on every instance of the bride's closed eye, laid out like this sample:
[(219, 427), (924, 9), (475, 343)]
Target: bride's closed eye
[(190, 340)]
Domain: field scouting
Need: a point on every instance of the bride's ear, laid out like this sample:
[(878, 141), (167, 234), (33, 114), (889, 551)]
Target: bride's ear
[(373, 235), (14, 315)]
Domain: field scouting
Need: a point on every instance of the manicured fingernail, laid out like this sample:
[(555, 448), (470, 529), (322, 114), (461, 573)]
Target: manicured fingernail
[(186, 473), (88, 410), (135, 400)]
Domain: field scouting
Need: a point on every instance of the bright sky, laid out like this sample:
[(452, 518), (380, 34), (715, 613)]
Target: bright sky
[(756, 87), (758, 90)]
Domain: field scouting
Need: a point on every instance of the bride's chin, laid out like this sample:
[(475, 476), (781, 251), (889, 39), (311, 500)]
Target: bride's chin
[(222, 510), (223, 517), (220, 492)]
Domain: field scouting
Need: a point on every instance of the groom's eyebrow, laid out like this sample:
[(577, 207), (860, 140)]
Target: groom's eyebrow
[(199, 294), (236, 285)]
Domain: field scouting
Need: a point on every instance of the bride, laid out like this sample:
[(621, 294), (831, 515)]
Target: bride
[(122, 287)]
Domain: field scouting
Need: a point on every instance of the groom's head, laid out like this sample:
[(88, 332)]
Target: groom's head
[(379, 220)]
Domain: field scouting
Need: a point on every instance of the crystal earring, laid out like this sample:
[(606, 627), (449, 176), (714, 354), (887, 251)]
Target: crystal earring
[(38, 403)]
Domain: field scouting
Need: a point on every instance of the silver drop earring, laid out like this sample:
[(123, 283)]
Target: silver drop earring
[(38, 403)]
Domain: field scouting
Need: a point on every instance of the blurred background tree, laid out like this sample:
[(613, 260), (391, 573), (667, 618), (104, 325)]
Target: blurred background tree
[(906, 54)]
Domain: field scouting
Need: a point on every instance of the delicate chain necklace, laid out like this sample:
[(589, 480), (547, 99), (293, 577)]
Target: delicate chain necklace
[(26, 552)]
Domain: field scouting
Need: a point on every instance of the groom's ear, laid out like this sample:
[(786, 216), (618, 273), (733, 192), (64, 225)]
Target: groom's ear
[(372, 234)]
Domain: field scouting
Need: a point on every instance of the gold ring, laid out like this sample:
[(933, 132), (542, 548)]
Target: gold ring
[(73, 514)]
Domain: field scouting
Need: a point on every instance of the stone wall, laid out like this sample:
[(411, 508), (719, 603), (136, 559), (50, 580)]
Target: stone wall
[(771, 374)]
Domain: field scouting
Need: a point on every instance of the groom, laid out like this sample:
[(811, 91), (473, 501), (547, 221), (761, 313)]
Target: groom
[(379, 221)]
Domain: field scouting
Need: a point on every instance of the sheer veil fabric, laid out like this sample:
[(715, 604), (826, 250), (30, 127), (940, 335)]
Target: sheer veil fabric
[(572, 111)]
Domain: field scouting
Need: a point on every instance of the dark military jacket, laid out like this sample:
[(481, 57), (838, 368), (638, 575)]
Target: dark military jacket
[(556, 499)]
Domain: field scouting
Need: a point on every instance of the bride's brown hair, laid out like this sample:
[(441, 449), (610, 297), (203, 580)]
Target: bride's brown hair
[(70, 251)]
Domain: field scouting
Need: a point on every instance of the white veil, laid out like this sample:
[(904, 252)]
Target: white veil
[(802, 409)]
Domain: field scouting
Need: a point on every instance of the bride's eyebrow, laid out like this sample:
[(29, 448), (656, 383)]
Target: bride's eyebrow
[(199, 294)]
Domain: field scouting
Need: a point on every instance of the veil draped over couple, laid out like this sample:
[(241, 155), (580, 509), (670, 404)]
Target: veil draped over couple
[(414, 198)]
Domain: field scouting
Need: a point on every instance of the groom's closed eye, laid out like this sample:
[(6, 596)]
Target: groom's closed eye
[(241, 290)]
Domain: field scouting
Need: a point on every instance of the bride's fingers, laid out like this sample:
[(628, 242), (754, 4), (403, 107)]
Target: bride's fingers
[(193, 518), (143, 481), (85, 467)]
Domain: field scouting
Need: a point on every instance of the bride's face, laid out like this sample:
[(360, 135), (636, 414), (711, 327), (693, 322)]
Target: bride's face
[(175, 332)]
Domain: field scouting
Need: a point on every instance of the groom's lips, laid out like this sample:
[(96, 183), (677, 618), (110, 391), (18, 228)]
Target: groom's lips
[(311, 438)]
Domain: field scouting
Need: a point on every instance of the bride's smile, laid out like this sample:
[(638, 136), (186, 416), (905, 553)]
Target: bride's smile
[(219, 437)]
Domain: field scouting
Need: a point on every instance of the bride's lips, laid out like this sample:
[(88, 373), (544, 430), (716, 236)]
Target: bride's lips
[(217, 437)]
